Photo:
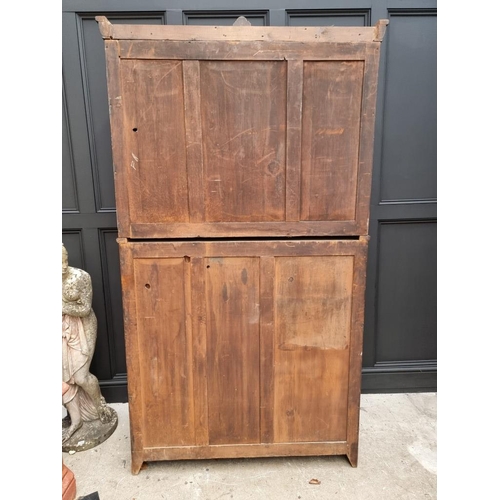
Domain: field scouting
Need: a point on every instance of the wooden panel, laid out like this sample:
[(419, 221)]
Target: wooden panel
[(232, 295), (223, 18), (154, 127), (243, 111), (165, 351), (409, 154), (313, 314), (406, 303), (330, 139), (331, 17), (313, 302)]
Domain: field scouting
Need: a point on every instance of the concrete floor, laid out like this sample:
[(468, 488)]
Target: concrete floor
[(397, 460)]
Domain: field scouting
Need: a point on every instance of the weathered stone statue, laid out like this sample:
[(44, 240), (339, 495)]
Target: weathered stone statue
[(90, 421)]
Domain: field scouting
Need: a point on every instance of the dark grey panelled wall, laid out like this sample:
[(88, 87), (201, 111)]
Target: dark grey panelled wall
[(400, 332)]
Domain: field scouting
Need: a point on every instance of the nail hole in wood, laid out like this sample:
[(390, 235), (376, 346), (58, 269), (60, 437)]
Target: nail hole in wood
[(134, 129), (148, 286)]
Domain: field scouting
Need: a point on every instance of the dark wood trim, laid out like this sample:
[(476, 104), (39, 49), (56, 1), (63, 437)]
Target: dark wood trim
[(409, 201), (76, 208), (401, 11), (115, 390), (203, 14), (88, 110), (179, 5), (92, 220), (365, 13), (418, 212), (413, 365), (377, 381), (110, 327)]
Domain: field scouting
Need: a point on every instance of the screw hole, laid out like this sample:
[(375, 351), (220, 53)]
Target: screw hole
[(148, 286), (134, 129), (208, 267)]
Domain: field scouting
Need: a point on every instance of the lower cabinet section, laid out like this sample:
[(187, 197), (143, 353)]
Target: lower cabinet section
[(243, 348)]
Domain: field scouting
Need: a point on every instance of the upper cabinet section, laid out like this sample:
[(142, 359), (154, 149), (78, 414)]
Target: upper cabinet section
[(240, 130)]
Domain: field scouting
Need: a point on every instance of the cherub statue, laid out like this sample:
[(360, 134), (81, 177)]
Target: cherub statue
[(82, 399)]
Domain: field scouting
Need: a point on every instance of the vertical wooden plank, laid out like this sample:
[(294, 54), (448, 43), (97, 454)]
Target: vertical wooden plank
[(155, 127), (115, 97), (267, 349), (356, 349), (199, 351), (243, 109), (130, 143), (194, 147), (132, 353), (232, 294), (312, 301), (367, 134), (165, 353), (293, 138), (188, 326), (330, 139)]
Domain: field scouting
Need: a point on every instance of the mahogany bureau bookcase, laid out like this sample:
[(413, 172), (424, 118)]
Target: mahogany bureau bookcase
[(242, 162)]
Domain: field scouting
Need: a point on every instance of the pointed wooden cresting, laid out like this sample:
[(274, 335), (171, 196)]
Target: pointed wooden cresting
[(242, 21), (380, 28), (105, 27)]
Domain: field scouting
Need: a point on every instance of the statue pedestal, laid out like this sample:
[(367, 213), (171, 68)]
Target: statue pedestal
[(90, 434), (68, 484)]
